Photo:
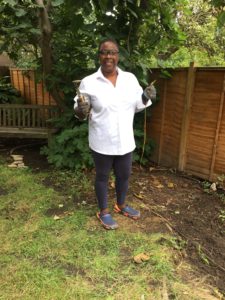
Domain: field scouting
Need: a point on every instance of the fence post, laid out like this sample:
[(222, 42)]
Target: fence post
[(219, 119), (186, 116), (162, 122)]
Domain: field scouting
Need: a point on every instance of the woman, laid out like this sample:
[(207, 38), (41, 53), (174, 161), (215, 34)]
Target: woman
[(112, 97)]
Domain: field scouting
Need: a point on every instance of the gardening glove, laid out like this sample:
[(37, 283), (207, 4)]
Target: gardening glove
[(83, 106), (149, 93)]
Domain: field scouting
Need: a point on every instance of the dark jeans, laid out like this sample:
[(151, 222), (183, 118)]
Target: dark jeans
[(121, 165)]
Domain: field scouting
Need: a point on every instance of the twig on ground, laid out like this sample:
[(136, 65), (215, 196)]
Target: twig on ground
[(196, 244)]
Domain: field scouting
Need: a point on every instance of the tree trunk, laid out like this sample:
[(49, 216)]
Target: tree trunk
[(46, 50)]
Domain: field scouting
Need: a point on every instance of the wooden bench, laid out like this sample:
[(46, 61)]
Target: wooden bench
[(27, 121)]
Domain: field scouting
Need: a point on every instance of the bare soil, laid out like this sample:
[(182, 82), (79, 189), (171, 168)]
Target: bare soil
[(170, 202)]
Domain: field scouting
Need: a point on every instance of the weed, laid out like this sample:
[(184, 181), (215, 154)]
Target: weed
[(222, 215), (206, 186), (221, 179), (222, 197), (202, 255)]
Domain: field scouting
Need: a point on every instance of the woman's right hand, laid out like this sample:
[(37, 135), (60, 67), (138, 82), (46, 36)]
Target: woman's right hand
[(83, 107)]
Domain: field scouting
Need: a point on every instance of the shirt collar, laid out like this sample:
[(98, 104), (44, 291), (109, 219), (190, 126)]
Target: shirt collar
[(100, 75)]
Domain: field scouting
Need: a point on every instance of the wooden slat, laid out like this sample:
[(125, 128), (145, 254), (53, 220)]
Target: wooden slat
[(219, 120), (23, 121), (4, 117), (28, 118), (37, 118), (26, 115), (33, 118), (162, 122), (13, 117), (19, 117)]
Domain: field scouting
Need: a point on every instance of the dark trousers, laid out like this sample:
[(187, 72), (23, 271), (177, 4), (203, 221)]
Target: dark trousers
[(121, 165)]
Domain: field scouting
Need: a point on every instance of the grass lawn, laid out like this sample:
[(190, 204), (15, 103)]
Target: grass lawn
[(68, 255)]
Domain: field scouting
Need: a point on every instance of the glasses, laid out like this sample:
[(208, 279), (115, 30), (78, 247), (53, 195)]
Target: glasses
[(108, 52)]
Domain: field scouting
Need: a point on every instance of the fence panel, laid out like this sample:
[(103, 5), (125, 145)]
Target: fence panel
[(188, 123), (220, 142), (33, 92)]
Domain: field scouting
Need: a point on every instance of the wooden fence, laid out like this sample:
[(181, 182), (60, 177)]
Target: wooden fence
[(188, 122), (31, 90)]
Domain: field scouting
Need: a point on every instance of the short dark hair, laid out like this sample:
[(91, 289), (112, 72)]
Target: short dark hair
[(108, 40)]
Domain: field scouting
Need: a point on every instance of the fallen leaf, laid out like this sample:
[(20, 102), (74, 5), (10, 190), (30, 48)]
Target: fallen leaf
[(142, 205), (141, 257), (185, 185), (213, 187), (160, 186), (138, 196), (112, 184), (170, 185)]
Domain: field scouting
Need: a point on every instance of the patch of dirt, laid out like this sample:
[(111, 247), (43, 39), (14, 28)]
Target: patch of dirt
[(169, 202), (175, 202), (30, 148)]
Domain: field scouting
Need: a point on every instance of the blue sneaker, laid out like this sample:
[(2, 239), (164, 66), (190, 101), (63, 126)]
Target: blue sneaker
[(107, 221), (128, 212)]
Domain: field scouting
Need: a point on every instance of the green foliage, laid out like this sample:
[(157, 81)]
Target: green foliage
[(8, 94), (140, 27), (204, 37), (219, 9), (65, 120), (150, 33), (70, 149), (206, 187)]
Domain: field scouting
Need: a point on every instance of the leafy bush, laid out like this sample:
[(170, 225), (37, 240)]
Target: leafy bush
[(69, 149), (9, 94)]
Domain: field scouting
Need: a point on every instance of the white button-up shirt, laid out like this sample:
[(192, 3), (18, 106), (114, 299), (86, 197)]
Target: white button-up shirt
[(112, 111)]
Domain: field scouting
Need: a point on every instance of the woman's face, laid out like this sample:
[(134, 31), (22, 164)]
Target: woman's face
[(108, 57)]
